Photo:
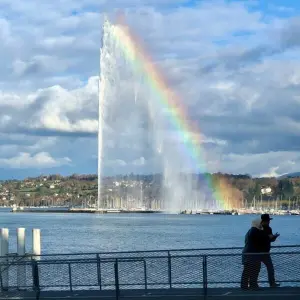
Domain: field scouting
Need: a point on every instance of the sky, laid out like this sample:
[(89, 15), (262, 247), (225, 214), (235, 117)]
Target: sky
[(234, 64)]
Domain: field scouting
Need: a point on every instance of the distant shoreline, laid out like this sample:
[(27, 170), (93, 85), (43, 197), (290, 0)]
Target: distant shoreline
[(81, 211)]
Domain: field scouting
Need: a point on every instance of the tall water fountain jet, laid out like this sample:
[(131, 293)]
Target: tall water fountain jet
[(136, 119), (101, 93)]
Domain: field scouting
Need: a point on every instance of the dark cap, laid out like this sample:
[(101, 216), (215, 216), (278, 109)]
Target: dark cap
[(266, 217)]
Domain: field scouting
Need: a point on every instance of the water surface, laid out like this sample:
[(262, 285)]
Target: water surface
[(65, 233)]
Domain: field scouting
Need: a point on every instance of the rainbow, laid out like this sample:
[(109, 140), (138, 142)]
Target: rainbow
[(134, 51)]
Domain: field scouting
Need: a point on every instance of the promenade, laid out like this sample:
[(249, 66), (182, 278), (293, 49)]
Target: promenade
[(178, 294), (170, 274)]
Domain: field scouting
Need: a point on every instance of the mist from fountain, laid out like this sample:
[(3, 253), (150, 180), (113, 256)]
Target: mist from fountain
[(129, 114)]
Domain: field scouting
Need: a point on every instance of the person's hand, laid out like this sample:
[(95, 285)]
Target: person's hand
[(276, 234)]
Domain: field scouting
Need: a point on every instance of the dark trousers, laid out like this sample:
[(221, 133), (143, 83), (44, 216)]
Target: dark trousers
[(250, 274), (267, 261)]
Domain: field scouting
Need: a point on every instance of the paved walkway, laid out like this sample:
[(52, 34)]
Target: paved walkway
[(178, 294)]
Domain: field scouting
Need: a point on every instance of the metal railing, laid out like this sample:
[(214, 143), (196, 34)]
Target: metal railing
[(5, 263), (151, 253), (197, 269)]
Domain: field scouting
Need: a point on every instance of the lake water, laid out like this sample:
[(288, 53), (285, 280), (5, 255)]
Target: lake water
[(70, 233)]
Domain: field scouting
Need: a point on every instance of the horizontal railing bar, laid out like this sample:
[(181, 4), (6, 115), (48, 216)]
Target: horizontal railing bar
[(248, 254), (208, 255), (79, 261), (158, 283), (138, 284), (67, 285), (151, 284), (238, 282), (139, 259), (124, 284), (75, 261), (133, 259), (143, 251)]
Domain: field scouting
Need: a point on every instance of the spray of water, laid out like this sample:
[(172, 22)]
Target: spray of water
[(130, 115)]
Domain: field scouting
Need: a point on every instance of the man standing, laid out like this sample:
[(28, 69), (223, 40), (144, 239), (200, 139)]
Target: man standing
[(266, 258)]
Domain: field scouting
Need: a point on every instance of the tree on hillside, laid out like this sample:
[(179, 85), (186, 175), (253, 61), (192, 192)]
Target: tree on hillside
[(41, 190), (285, 188), (254, 191), (288, 189)]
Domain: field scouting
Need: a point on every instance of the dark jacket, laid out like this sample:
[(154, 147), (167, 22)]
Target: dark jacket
[(266, 246), (255, 240)]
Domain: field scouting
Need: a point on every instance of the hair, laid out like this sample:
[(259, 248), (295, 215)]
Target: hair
[(256, 223)]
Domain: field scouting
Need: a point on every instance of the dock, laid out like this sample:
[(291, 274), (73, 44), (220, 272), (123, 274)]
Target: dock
[(81, 210), (93, 210)]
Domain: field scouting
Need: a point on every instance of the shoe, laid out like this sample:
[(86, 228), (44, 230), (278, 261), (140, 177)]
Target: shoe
[(275, 285)]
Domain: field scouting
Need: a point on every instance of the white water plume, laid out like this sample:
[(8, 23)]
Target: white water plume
[(131, 112)]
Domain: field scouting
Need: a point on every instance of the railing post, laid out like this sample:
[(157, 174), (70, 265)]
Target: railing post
[(204, 273), (4, 261), (35, 278), (145, 275), (99, 271), (21, 269), (70, 277), (116, 267), (169, 269), (1, 283), (36, 243)]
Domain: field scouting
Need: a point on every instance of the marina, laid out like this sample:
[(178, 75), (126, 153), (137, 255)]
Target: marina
[(73, 210), (93, 210)]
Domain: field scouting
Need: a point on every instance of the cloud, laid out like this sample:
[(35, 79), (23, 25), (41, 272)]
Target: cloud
[(40, 64), (267, 164), (54, 109), (37, 161), (12, 100), (139, 162), (234, 68)]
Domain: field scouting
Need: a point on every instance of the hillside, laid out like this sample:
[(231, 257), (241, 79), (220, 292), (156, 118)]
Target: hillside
[(239, 190), (290, 175)]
